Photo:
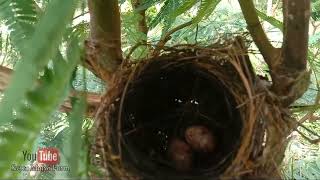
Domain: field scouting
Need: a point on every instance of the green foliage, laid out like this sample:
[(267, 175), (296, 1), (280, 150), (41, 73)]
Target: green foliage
[(173, 8), (41, 47), (27, 104), (273, 21), (73, 143), (302, 158), (221, 24), (164, 14), (20, 17), (183, 8), (315, 7), (132, 34), (206, 9), (39, 106), (8, 53), (92, 83), (314, 39)]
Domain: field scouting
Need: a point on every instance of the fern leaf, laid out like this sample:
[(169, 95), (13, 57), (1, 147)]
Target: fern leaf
[(20, 17), (168, 20), (205, 10), (161, 15), (74, 141), (273, 21), (188, 4), (40, 49), (28, 123)]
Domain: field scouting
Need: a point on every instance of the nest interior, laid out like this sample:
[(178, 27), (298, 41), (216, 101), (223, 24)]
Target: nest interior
[(151, 102), (161, 103)]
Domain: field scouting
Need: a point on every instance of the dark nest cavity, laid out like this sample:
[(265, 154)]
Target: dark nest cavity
[(161, 103)]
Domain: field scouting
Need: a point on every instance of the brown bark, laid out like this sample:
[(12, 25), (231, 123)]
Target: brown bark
[(103, 50), (288, 64), (291, 78), (93, 99), (296, 28)]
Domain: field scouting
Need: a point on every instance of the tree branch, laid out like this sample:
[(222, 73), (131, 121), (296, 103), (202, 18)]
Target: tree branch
[(165, 38), (142, 24), (269, 53), (291, 79), (296, 15), (93, 99), (288, 66), (104, 53)]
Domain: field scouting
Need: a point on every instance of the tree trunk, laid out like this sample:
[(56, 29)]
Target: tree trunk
[(288, 64), (103, 50)]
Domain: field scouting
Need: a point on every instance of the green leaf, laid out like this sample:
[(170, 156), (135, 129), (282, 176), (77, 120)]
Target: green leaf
[(163, 14), (39, 49), (205, 9), (273, 21), (38, 113), (20, 17), (315, 7), (183, 8), (74, 141)]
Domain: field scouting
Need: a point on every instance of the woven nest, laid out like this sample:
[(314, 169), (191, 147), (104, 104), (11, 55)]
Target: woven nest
[(151, 102)]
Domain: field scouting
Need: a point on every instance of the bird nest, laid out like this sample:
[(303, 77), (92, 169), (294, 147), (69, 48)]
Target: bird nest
[(153, 109)]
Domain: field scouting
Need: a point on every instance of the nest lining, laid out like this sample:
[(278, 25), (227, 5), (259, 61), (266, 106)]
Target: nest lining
[(157, 99)]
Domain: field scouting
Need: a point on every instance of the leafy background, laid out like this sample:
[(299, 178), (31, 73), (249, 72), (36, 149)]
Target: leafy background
[(42, 41)]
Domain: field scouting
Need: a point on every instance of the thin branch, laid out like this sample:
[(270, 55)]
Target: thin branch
[(142, 24), (315, 27), (274, 9), (269, 53), (165, 38), (80, 15)]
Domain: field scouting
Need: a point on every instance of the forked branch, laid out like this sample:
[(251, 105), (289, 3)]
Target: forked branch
[(288, 64), (291, 78)]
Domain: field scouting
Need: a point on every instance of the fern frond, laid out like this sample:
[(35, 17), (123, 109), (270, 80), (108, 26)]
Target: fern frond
[(315, 7), (41, 103), (188, 4), (40, 48), (273, 21), (164, 11), (74, 141), (164, 14), (205, 9), (168, 20), (20, 17)]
